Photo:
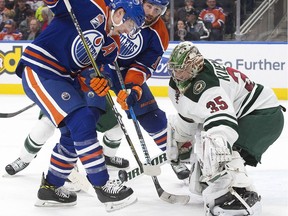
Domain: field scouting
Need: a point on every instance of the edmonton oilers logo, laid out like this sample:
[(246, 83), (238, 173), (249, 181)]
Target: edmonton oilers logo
[(130, 47), (94, 41)]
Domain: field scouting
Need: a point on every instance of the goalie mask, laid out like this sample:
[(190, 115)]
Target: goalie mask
[(184, 64)]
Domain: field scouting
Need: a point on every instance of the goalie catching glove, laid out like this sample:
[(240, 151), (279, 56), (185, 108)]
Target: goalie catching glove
[(180, 139), (128, 98)]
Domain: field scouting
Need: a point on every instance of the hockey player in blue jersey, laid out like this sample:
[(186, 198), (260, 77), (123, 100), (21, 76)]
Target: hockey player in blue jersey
[(138, 59), (50, 67)]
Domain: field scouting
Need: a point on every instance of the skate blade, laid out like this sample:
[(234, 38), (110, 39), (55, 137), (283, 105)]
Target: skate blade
[(51, 203), (113, 206)]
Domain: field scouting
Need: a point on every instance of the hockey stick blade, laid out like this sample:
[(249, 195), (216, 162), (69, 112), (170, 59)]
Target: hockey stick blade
[(165, 196), (173, 198), (80, 181), (9, 115), (170, 198), (124, 175)]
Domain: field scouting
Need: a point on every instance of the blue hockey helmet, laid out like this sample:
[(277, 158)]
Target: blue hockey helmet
[(158, 2), (161, 3), (133, 10)]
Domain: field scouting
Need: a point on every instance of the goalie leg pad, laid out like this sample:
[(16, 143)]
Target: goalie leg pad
[(213, 153), (233, 176)]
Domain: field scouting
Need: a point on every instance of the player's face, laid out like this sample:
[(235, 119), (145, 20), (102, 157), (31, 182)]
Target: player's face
[(180, 74), (128, 27), (152, 12)]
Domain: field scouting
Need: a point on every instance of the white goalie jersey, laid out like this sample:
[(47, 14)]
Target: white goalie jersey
[(218, 96)]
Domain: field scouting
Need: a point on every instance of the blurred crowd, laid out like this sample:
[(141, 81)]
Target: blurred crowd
[(193, 19), (23, 19), (205, 19)]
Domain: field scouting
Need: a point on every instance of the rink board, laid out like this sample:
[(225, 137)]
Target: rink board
[(262, 62)]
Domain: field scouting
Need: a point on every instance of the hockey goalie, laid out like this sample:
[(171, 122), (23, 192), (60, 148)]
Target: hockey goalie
[(224, 122)]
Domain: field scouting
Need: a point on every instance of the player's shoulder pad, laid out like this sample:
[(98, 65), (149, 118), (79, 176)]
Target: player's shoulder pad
[(162, 32)]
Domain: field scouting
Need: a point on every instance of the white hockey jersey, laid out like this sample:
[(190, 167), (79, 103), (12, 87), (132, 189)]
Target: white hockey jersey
[(218, 96)]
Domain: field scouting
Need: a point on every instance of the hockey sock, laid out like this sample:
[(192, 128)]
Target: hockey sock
[(155, 123), (111, 141), (38, 136), (81, 124)]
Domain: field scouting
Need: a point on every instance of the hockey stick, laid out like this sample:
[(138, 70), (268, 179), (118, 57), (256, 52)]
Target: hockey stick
[(171, 198), (80, 181), (9, 115), (95, 67), (158, 160)]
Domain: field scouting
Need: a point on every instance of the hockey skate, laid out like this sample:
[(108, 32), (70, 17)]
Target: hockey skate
[(181, 171), (117, 162), (16, 166), (115, 195), (238, 202), (49, 195)]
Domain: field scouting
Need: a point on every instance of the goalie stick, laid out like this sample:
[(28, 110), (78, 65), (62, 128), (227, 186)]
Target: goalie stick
[(9, 115), (168, 197)]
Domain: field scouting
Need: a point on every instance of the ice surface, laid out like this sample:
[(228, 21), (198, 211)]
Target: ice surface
[(18, 193)]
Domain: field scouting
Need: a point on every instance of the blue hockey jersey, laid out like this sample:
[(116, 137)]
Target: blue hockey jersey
[(58, 50), (142, 53)]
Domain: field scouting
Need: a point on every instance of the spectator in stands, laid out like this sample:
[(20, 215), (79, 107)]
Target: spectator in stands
[(3, 9), (181, 34), (24, 25), (35, 4), (9, 32), (178, 4), (196, 26), (181, 12), (20, 11), (47, 16), (38, 13), (166, 19), (216, 17), (10, 4), (229, 8), (8, 14), (34, 30)]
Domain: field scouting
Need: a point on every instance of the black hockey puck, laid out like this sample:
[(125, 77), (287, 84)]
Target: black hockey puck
[(123, 176)]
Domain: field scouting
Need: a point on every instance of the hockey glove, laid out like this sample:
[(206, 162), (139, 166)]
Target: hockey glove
[(128, 98), (100, 86), (180, 140)]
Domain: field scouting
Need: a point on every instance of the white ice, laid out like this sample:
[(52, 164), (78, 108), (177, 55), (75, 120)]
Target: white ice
[(18, 193)]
